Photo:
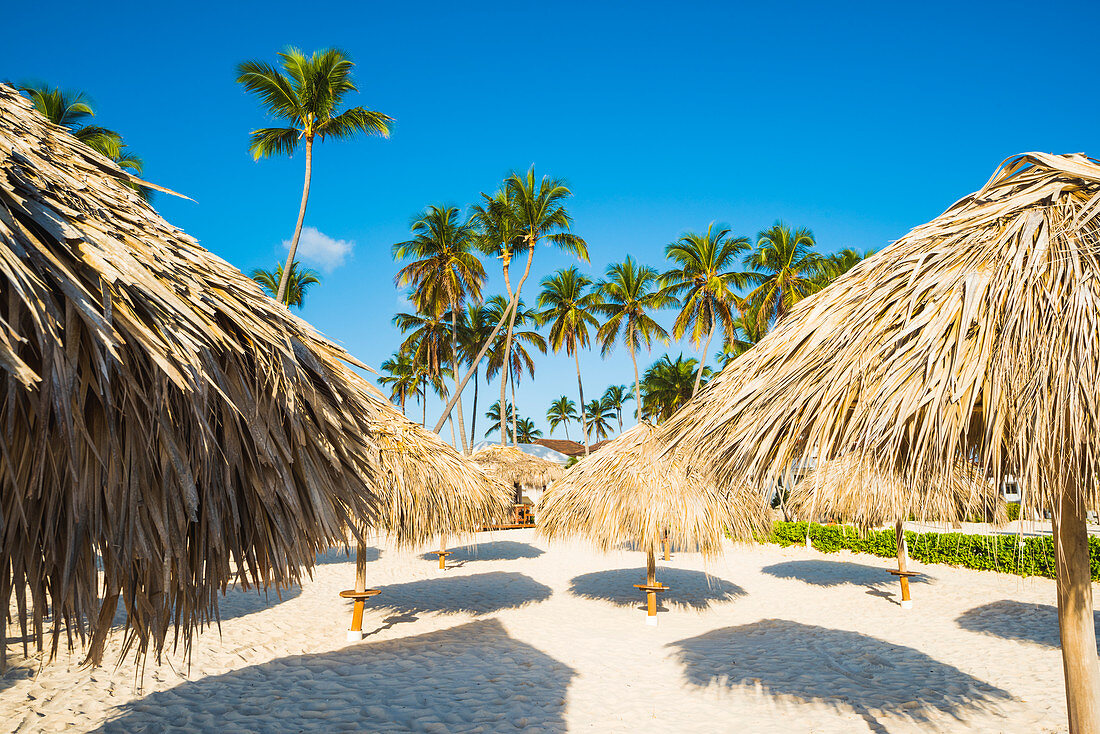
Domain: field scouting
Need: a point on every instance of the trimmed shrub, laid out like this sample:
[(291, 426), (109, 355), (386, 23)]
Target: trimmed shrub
[(1004, 553)]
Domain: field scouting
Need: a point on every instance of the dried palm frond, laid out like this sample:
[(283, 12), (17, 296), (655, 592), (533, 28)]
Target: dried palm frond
[(974, 337), (844, 490), (428, 488), (513, 466), (629, 492), (165, 428)]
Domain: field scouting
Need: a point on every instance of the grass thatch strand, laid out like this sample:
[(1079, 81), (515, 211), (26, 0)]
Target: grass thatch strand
[(629, 493), (844, 490), (160, 417), (512, 466), (976, 335)]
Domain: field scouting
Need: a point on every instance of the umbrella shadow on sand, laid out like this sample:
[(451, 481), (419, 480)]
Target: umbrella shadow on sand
[(236, 602), (481, 593), (473, 676), (838, 573), (802, 663), (1015, 620), (693, 589), (345, 554), (498, 550)]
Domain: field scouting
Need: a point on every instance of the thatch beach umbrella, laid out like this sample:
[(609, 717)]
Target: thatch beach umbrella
[(167, 429), (518, 469), (628, 492), (975, 336), (427, 488), (849, 491)]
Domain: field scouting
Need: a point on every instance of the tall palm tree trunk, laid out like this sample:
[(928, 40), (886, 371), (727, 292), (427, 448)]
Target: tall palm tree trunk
[(280, 296), (508, 338), (454, 374), (702, 361), (424, 401), (477, 361), (580, 389), (473, 416), (637, 383), (515, 411)]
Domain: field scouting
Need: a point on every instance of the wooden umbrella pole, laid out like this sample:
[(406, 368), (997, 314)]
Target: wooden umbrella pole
[(1075, 619), (903, 563), (667, 544), (360, 586), (651, 581), (442, 552)]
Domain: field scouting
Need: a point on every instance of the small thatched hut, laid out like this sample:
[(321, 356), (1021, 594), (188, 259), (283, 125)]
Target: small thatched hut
[(977, 335), (528, 475), (847, 490), (167, 428), (630, 492)]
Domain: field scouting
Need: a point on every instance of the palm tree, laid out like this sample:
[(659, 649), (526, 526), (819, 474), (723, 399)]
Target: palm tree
[(599, 414), (568, 306), (629, 293), (667, 385), (428, 345), (616, 396), (495, 421), (444, 272), (475, 329), (786, 268), (841, 262), (534, 210), (298, 284), (561, 412), (72, 110), (705, 284), (305, 93), (401, 376), (519, 356), (526, 432)]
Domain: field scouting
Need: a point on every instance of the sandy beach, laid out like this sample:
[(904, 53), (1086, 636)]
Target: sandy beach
[(521, 634)]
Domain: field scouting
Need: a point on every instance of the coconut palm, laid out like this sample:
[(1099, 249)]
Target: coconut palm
[(629, 293), (569, 306), (495, 421), (526, 432), (522, 339), (616, 396), (669, 384), (533, 210), (706, 285), (475, 329), (841, 262), (401, 375), (561, 412), (73, 110), (298, 284), (786, 268), (428, 343), (599, 414), (306, 93), (444, 272)]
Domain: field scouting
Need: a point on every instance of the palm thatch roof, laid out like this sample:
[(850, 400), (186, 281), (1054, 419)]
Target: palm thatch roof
[(975, 336), (512, 466), (429, 488), (629, 492), (167, 427), (866, 496)]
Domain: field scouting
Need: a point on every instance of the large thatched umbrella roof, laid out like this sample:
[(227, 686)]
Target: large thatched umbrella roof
[(167, 428), (428, 487), (630, 492), (846, 489), (976, 335), (513, 466)]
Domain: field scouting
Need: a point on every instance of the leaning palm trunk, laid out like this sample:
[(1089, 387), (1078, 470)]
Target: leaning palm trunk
[(975, 335), (281, 295), (580, 389), (511, 328), (454, 370), (477, 361), (637, 382), (702, 362)]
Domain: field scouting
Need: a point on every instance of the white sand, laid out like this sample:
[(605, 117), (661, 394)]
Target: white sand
[(521, 634)]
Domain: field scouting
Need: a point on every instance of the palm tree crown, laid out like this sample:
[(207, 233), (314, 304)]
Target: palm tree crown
[(786, 268), (298, 284), (561, 412)]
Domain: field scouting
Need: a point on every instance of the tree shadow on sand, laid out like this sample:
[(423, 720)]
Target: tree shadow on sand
[(481, 593), (473, 676), (344, 554), (693, 589), (498, 550), (837, 573), (1014, 620), (803, 663)]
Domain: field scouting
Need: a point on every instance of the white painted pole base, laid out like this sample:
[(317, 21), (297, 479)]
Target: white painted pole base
[(651, 621), (907, 604), (355, 635)]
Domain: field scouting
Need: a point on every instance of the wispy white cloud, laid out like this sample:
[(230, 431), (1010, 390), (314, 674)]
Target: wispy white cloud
[(317, 248)]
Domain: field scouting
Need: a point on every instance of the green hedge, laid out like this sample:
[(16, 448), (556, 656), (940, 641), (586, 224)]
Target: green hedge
[(1006, 553)]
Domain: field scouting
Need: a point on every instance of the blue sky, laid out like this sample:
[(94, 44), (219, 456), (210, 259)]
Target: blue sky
[(859, 121)]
